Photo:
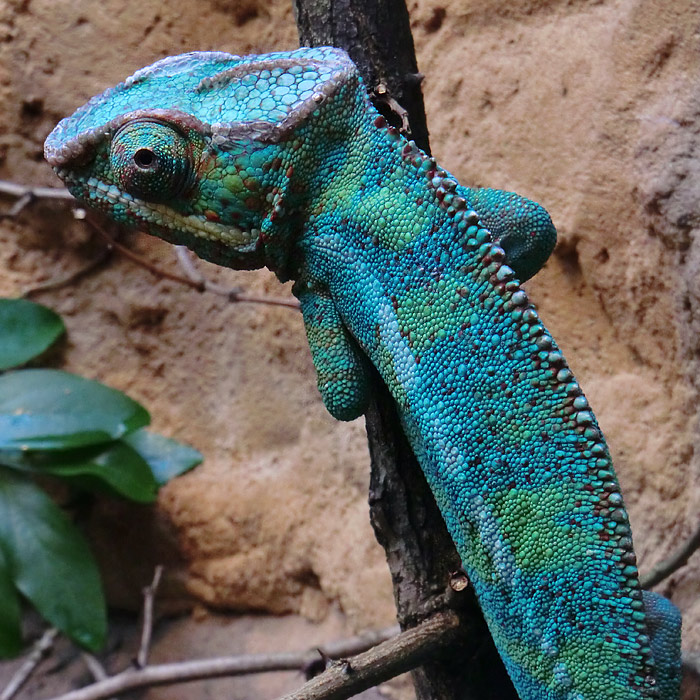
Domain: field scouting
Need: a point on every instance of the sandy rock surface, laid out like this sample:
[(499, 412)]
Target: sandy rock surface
[(591, 107)]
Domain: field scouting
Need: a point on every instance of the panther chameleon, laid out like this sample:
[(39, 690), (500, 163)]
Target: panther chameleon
[(280, 160)]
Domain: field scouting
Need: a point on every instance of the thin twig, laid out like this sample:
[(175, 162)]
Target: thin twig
[(188, 266), (26, 194), (231, 293), (97, 670), (165, 674), (240, 298), (39, 652), (357, 644), (678, 559), (122, 250), (20, 204), (199, 284), (15, 189), (149, 596), (381, 92), (402, 653), (70, 277)]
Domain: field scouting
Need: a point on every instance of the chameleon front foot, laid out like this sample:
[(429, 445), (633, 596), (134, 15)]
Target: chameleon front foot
[(340, 369)]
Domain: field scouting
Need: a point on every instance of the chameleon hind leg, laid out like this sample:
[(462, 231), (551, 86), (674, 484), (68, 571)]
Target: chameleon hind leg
[(340, 368), (664, 626), (520, 226)]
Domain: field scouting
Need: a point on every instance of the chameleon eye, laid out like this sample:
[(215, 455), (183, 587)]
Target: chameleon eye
[(145, 159), (152, 160)]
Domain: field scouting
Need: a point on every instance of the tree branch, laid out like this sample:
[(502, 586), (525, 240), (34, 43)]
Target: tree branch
[(96, 669), (39, 652), (406, 651), (166, 674), (149, 596), (405, 517), (26, 194), (200, 282), (678, 559)]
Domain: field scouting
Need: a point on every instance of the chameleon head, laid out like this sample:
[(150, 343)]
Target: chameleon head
[(199, 149)]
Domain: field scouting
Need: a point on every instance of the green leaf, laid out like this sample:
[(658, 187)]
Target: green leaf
[(167, 458), (50, 562), (10, 613), (53, 410), (118, 467), (26, 330)]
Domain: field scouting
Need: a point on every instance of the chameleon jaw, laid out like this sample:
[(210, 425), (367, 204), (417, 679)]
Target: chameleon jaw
[(94, 191)]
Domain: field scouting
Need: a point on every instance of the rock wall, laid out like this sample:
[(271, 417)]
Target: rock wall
[(588, 106)]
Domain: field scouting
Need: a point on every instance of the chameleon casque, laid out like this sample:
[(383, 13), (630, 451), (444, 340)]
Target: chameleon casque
[(280, 160)]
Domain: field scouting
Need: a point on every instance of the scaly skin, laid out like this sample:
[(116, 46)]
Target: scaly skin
[(280, 160)]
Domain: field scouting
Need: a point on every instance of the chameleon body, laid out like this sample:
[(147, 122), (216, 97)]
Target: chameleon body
[(280, 160)]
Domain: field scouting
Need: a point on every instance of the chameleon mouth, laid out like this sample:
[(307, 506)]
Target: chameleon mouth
[(96, 193)]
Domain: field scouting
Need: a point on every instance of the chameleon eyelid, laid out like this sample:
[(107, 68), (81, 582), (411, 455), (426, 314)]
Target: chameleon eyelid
[(80, 148)]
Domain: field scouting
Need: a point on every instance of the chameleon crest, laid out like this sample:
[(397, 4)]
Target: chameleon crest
[(280, 160)]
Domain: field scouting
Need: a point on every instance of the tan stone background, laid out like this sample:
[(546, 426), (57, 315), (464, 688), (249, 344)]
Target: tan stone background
[(591, 107)]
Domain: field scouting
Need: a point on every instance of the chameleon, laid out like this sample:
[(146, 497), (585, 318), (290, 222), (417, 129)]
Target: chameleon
[(280, 160)]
